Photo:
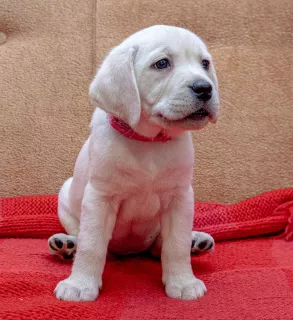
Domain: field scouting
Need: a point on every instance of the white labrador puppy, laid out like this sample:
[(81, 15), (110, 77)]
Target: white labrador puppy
[(131, 189)]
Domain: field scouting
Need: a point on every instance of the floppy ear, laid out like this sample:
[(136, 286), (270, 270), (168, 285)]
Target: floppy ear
[(114, 87)]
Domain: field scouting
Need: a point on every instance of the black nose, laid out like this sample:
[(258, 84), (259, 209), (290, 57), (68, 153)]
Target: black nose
[(202, 89)]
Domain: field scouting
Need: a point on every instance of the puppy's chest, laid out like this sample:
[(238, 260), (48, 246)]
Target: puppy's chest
[(142, 196), (146, 193), (150, 177), (140, 207)]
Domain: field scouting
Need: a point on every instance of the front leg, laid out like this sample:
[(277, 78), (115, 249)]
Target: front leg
[(98, 219), (176, 221)]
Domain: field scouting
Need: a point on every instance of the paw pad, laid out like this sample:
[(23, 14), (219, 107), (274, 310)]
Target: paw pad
[(63, 245), (201, 242)]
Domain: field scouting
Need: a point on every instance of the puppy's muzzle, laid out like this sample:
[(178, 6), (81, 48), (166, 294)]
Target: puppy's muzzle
[(202, 89), (201, 113)]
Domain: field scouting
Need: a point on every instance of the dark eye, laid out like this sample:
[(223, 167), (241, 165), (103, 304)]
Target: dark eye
[(205, 63), (162, 64)]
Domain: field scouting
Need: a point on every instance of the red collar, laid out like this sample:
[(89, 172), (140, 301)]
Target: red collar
[(128, 132)]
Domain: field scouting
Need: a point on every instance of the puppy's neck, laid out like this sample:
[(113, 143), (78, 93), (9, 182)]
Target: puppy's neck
[(123, 128), (146, 129)]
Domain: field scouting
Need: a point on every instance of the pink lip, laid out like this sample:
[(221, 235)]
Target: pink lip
[(213, 117)]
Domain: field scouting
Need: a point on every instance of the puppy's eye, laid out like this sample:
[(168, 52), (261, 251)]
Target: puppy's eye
[(206, 64), (162, 64)]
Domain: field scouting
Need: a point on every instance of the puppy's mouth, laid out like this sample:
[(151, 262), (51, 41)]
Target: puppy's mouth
[(193, 121), (197, 115)]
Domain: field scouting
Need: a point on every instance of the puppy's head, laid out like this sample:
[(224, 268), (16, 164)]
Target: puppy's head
[(162, 76)]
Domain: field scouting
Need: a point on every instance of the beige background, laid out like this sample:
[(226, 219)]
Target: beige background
[(50, 56)]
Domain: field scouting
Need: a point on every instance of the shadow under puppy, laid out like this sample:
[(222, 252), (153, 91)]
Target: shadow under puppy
[(131, 188)]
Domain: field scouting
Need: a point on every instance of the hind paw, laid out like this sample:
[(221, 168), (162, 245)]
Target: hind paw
[(63, 245), (202, 242)]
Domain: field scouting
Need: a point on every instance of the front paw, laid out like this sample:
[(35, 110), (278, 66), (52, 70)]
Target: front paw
[(77, 289), (186, 287)]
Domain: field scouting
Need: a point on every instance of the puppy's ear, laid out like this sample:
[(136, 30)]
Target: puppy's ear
[(114, 87)]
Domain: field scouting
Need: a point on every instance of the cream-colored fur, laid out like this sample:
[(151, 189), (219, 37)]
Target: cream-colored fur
[(125, 194)]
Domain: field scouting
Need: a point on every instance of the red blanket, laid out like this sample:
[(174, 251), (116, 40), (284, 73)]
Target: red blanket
[(251, 279), (246, 279), (271, 212)]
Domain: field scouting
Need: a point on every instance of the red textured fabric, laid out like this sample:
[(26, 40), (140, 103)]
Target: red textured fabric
[(246, 279), (128, 132), (271, 212)]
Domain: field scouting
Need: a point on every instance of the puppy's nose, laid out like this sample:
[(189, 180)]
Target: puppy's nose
[(203, 90)]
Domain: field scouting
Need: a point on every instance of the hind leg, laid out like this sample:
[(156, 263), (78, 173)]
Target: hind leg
[(201, 242), (62, 244)]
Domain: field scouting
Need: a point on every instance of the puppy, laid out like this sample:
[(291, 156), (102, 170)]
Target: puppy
[(131, 188)]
